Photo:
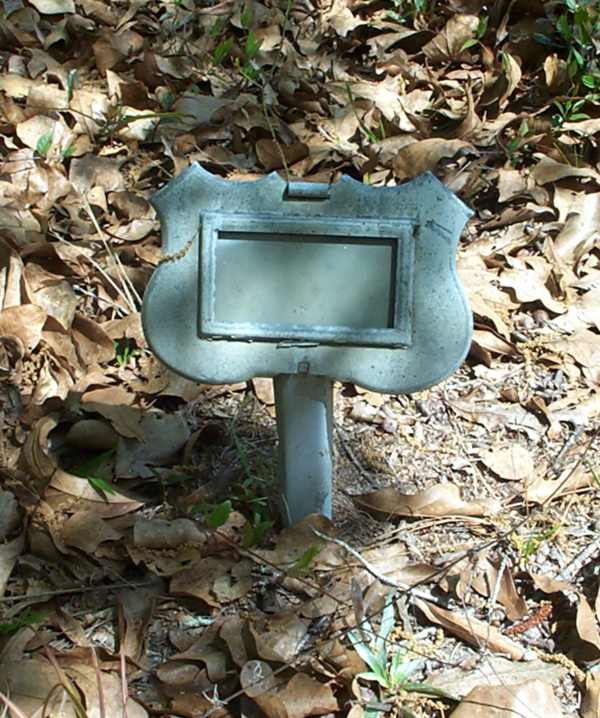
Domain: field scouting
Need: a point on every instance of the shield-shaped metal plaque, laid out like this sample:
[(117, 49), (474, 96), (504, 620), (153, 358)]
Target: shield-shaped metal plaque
[(344, 281)]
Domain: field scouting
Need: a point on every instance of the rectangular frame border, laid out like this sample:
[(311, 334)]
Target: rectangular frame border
[(401, 230)]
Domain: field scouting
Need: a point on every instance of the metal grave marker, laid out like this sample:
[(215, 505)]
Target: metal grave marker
[(308, 283)]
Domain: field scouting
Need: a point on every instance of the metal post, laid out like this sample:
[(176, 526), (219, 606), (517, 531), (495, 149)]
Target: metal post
[(304, 407)]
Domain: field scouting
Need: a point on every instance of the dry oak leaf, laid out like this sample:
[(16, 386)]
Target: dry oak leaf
[(113, 504), (85, 530), (9, 553), (53, 7), (590, 705), (280, 637), (494, 671), (10, 514), (275, 155), (340, 18), (104, 689), (471, 629), (52, 293), (448, 44), (32, 685), (11, 272), (582, 218), (511, 463), (585, 312), (264, 390), (587, 625), (527, 700), (548, 170), (584, 347), (438, 500), (303, 696), (493, 415), (539, 490), (423, 155), (529, 286), (214, 580), (25, 323)]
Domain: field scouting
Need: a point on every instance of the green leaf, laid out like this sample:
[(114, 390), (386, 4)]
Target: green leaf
[(44, 143), (578, 56), (368, 656), (101, 485), (91, 467), (372, 676), (71, 77), (219, 515), (578, 116), (247, 17), (27, 618), (362, 649), (482, 26), (388, 619), (222, 50), (471, 42), (255, 533), (252, 45), (217, 27), (427, 690), (301, 565), (589, 81)]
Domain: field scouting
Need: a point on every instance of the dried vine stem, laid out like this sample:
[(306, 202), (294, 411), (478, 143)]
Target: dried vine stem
[(426, 595)]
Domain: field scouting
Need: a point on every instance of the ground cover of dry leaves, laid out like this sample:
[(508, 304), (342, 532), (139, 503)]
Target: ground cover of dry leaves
[(140, 573)]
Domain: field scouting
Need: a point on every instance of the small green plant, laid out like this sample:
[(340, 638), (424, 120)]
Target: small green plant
[(390, 662), (27, 618), (44, 144), (302, 566), (249, 496), (89, 470), (224, 49), (528, 546), (568, 111), (125, 350), (372, 135), (577, 33), (518, 144), (408, 10), (117, 119), (480, 32)]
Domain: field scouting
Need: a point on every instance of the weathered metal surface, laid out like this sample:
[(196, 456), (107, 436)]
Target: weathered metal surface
[(264, 277), (308, 283), (304, 406), (408, 332)]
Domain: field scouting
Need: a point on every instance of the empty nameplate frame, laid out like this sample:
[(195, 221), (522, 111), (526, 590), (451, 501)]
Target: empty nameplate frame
[(306, 279)]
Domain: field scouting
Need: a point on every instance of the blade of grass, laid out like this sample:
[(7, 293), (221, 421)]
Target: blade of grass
[(67, 685), (124, 688), (101, 704), (9, 704)]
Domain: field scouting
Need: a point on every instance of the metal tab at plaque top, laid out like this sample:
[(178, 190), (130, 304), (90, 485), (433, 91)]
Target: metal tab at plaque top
[(308, 283)]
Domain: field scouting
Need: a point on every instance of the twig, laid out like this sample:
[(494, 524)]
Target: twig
[(97, 266), (118, 307), (426, 595), (343, 441), (127, 288), (64, 591), (559, 458), (575, 565)]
